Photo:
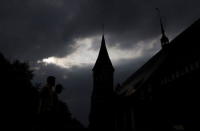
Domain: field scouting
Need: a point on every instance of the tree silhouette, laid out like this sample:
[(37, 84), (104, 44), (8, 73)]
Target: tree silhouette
[(21, 101)]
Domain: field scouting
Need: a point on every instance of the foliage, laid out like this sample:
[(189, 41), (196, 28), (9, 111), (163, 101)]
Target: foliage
[(21, 100)]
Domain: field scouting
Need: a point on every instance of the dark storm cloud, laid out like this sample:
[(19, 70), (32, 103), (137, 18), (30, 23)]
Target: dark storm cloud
[(129, 21), (34, 29)]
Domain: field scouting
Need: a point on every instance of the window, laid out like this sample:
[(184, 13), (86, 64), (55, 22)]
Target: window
[(197, 64), (177, 74), (186, 69), (173, 76), (191, 67), (182, 72), (162, 81)]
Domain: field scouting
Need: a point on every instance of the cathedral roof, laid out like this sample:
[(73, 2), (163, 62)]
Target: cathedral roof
[(103, 61), (184, 42)]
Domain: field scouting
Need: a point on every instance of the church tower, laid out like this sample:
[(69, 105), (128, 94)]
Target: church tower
[(164, 40), (102, 95)]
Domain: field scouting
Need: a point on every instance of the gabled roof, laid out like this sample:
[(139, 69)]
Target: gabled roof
[(137, 79), (103, 61)]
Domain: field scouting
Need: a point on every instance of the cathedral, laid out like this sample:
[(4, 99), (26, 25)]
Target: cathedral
[(162, 95)]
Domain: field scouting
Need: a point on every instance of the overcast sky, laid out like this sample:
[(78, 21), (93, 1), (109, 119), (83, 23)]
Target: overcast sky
[(62, 38)]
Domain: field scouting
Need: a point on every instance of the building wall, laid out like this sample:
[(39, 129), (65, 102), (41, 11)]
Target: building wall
[(168, 99)]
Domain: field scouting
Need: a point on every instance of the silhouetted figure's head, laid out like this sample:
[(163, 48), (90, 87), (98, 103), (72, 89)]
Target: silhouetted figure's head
[(51, 80), (58, 89)]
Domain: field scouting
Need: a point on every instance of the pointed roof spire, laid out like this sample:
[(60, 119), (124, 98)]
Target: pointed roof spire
[(162, 28), (103, 61), (164, 40), (161, 23)]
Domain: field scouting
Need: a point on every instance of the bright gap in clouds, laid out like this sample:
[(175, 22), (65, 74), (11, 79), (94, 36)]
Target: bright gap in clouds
[(85, 55)]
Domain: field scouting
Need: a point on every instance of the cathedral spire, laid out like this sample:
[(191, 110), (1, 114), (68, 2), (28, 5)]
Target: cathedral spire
[(103, 61), (101, 113), (164, 40), (162, 28)]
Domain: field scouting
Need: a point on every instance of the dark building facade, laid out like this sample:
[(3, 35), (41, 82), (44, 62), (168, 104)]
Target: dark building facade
[(163, 94), (160, 96), (101, 116)]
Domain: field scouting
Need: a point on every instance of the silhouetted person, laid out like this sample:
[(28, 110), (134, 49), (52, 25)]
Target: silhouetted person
[(46, 95), (46, 106)]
